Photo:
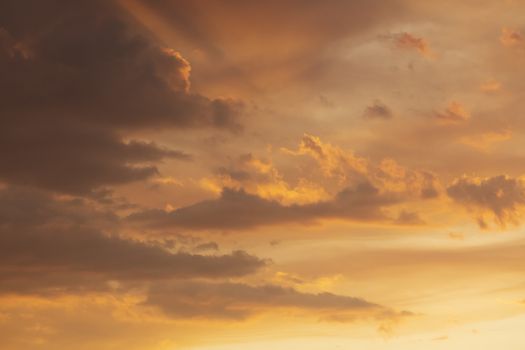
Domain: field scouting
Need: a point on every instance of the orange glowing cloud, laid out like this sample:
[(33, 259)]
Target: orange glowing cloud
[(453, 113), (511, 37), (408, 41)]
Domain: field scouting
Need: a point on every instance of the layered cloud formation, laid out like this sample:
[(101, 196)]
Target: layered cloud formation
[(275, 174)]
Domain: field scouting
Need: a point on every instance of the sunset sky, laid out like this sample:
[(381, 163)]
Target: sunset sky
[(254, 175)]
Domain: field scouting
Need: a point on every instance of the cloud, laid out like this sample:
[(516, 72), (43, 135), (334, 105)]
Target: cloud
[(409, 218), (239, 301), (454, 113), (236, 209), (203, 247), (502, 196), (76, 161), (106, 72), (255, 194), (378, 110), (333, 161), (77, 254), (49, 245), (75, 79), (52, 246), (333, 169), (407, 41), (491, 86), (260, 176), (511, 37), (349, 168), (485, 141)]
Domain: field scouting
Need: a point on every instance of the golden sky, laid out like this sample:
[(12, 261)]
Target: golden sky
[(283, 174)]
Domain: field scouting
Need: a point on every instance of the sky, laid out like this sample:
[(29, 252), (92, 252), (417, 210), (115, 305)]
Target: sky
[(285, 174)]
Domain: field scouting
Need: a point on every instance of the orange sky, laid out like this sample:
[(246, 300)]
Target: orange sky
[(222, 175)]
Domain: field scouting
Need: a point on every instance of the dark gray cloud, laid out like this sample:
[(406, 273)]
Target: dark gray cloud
[(239, 301), (22, 208), (91, 64), (236, 209), (75, 78), (378, 110), (76, 161), (51, 246), (501, 195), (48, 245)]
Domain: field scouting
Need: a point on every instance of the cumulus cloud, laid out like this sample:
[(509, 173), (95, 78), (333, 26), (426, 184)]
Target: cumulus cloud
[(501, 196), (349, 168), (236, 209), (364, 192), (260, 176), (333, 161), (75, 79), (106, 72)]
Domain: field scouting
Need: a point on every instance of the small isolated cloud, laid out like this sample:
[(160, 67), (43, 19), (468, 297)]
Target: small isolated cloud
[(378, 110), (490, 86), (453, 113), (501, 196), (486, 140), (326, 102), (410, 42), (511, 37)]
